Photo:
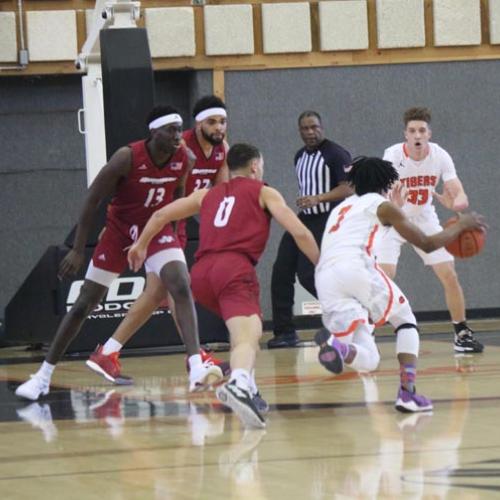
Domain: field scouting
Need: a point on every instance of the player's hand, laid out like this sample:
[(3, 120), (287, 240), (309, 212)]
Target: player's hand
[(444, 198), (398, 194), (136, 257), (71, 263), (472, 220), (307, 201), (457, 203)]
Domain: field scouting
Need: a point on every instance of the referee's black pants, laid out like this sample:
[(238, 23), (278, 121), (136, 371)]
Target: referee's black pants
[(290, 261)]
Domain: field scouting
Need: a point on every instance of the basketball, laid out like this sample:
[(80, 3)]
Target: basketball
[(468, 243)]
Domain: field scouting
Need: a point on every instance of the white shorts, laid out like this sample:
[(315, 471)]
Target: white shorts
[(153, 264), (359, 292), (389, 242)]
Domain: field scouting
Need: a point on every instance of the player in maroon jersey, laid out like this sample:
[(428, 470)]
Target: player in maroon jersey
[(234, 228), (206, 143), (142, 177)]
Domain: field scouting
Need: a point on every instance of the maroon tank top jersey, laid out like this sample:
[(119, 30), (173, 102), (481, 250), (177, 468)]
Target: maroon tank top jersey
[(232, 220), (205, 169), (147, 188)]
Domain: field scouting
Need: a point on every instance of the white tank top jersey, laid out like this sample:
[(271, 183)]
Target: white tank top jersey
[(421, 177), (350, 229)]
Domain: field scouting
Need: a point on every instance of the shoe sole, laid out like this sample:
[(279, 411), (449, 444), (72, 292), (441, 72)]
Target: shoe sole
[(412, 407), (246, 414), (470, 350), (116, 381), (212, 377), (331, 359)]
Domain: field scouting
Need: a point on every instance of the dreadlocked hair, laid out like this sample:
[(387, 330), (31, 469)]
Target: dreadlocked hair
[(371, 175)]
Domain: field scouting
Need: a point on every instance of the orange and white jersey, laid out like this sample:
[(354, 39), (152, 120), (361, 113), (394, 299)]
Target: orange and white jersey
[(421, 177), (350, 229)]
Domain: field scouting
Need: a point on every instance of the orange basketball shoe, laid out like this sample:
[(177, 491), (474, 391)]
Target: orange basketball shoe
[(108, 366)]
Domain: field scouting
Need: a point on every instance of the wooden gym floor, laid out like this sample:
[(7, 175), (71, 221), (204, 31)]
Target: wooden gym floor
[(327, 437)]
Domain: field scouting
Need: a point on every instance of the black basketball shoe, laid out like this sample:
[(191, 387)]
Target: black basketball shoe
[(241, 402), (466, 343)]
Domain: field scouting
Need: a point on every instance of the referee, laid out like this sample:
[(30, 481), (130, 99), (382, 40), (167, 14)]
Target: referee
[(319, 166)]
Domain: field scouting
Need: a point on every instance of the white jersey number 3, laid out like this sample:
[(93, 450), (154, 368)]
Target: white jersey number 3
[(224, 211)]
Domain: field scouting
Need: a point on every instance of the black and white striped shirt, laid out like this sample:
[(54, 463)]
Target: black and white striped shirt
[(319, 171)]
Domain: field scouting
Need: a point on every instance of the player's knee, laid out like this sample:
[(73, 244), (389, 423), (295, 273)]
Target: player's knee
[(403, 314), (175, 278), (367, 358), (449, 277), (179, 288), (408, 339)]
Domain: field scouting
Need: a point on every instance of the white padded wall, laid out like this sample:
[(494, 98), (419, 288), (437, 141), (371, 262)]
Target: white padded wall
[(51, 35), (494, 21), (343, 25), (228, 29), (457, 22), (8, 42), (400, 23), (286, 27), (171, 31)]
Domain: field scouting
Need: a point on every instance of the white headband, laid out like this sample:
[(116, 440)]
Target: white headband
[(202, 115), (165, 120)]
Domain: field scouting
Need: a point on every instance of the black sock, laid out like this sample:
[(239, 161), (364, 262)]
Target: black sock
[(460, 326)]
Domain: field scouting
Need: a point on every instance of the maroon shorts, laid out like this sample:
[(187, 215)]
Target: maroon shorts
[(110, 253), (226, 283)]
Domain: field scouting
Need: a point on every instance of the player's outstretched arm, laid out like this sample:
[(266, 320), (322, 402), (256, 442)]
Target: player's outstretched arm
[(101, 189), (178, 209), (284, 215), (391, 215)]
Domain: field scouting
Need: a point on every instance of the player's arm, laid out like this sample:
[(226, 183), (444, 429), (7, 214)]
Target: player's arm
[(391, 215), (223, 173), (342, 191), (178, 209), (180, 189), (101, 189), (285, 216), (453, 196)]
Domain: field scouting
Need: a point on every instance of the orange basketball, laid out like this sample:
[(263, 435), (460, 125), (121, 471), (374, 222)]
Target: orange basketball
[(469, 242)]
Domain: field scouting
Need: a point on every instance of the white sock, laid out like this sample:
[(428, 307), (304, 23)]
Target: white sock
[(242, 378), (111, 346), (45, 371), (195, 361), (253, 385)]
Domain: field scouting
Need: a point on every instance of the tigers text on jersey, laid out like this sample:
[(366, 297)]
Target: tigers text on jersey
[(146, 188), (205, 170), (420, 177), (232, 220), (350, 229)]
